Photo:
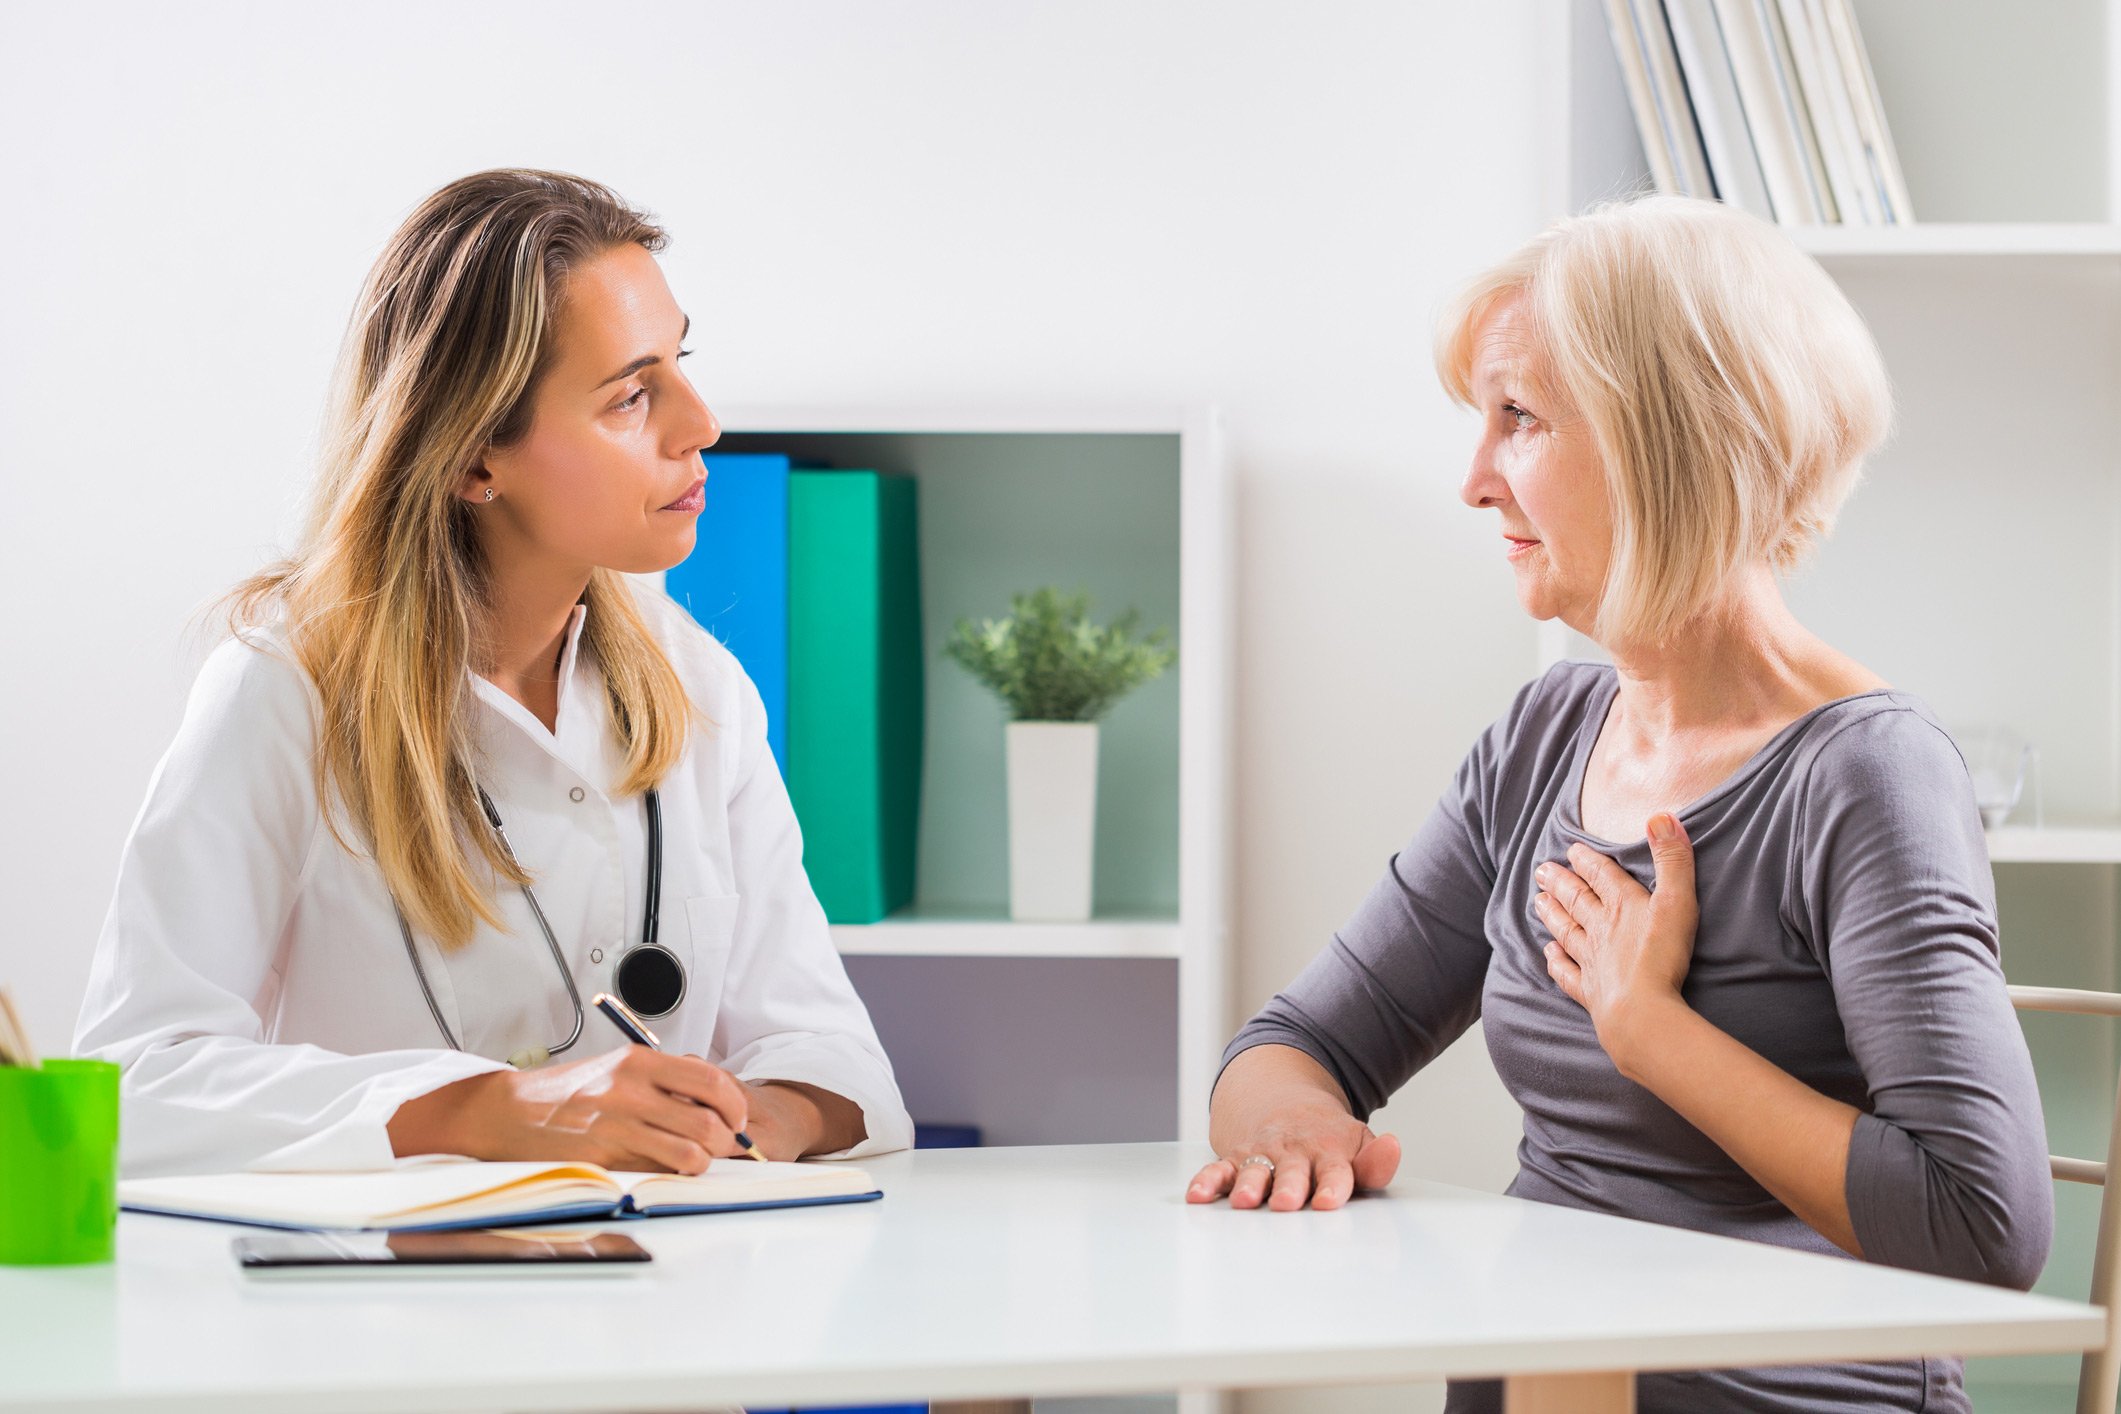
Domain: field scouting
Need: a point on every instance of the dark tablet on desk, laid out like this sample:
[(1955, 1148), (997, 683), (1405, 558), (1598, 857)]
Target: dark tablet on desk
[(467, 1252)]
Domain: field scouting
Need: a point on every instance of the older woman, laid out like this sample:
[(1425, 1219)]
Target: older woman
[(1724, 906)]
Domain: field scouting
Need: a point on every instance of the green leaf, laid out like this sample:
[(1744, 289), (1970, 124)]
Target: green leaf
[(1047, 661)]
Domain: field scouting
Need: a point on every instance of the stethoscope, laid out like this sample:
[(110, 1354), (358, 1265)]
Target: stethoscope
[(647, 976)]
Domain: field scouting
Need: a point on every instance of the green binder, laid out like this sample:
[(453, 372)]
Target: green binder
[(855, 718)]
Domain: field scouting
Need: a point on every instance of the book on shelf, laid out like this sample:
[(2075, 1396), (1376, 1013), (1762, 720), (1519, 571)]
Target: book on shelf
[(735, 581), (1706, 65), (1769, 105), (1642, 102), (1796, 106), (435, 1194), (1675, 107), (1769, 115), (1833, 113), (855, 695), (1881, 161)]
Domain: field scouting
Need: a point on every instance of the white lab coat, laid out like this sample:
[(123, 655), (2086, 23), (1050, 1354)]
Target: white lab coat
[(252, 981)]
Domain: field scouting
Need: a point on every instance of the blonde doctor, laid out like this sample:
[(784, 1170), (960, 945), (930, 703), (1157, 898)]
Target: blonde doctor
[(453, 774)]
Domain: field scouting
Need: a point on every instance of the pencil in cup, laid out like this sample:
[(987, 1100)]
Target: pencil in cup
[(636, 1031)]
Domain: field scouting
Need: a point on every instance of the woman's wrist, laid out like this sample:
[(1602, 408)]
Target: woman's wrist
[(1267, 1085), (1636, 1032)]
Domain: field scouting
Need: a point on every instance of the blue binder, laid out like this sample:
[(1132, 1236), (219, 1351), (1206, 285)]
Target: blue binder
[(735, 582)]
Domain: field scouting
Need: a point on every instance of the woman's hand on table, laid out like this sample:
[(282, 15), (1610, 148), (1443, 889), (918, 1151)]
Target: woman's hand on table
[(1621, 951), (1318, 1155), (634, 1108)]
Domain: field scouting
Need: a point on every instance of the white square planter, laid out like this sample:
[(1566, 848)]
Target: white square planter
[(1052, 820)]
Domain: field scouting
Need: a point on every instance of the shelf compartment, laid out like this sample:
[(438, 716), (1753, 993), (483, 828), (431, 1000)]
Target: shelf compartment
[(982, 1016), (1001, 512), (1035, 1050), (2000, 113)]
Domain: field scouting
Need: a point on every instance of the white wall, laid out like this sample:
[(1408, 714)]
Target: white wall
[(937, 201)]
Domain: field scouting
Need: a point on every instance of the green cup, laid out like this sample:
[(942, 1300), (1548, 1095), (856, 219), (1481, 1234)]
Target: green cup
[(58, 1163)]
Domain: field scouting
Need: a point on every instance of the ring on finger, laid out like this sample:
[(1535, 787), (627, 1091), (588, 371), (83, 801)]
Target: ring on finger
[(1260, 1161)]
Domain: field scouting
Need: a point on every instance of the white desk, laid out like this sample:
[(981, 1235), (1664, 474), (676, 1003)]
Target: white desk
[(988, 1273)]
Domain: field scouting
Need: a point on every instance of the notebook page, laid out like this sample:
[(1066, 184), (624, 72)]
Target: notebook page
[(423, 1193)]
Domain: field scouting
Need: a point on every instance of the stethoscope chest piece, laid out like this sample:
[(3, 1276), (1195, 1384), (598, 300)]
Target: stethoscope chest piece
[(649, 978)]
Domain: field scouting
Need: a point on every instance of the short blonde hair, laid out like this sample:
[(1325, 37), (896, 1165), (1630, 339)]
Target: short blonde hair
[(1732, 390)]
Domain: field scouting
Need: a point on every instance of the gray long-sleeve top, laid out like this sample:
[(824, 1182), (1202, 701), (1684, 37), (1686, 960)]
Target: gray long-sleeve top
[(1847, 934)]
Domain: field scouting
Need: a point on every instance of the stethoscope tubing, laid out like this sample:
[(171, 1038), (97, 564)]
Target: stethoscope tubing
[(552, 944), (651, 915)]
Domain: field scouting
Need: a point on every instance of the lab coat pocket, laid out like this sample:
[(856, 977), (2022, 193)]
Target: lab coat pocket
[(712, 918)]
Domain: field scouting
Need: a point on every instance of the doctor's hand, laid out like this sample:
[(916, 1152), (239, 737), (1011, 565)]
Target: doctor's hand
[(626, 1109), (1286, 1137)]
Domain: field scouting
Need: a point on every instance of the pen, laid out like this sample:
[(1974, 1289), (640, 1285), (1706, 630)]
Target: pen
[(636, 1031)]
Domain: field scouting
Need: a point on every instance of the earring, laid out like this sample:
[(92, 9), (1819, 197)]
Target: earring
[(489, 493)]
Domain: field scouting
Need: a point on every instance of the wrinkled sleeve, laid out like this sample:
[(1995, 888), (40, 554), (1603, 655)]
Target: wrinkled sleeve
[(189, 949), (1402, 978), (788, 1010), (1947, 1172)]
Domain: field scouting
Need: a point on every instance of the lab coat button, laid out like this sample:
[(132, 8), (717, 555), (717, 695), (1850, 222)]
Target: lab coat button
[(575, 795), (596, 954)]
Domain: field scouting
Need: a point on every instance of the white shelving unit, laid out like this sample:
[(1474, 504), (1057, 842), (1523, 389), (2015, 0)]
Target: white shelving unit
[(1047, 1032), (1979, 565)]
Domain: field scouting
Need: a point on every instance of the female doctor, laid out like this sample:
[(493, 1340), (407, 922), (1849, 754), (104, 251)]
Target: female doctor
[(453, 773)]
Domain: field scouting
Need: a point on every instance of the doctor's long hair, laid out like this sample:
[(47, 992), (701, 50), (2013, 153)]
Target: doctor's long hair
[(384, 604)]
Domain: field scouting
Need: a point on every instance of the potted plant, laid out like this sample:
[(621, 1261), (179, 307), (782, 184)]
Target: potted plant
[(1057, 674)]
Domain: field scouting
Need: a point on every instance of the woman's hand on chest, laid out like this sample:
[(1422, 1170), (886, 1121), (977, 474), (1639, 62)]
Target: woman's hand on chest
[(1619, 950)]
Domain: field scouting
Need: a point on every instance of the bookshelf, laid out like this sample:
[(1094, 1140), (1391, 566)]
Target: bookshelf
[(1979, 564), (1054, 1033)]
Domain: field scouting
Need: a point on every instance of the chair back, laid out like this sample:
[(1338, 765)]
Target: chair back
[(2100, 1378)]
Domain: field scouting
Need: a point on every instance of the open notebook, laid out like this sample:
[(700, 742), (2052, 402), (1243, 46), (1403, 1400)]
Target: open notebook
[(429, 1194)]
